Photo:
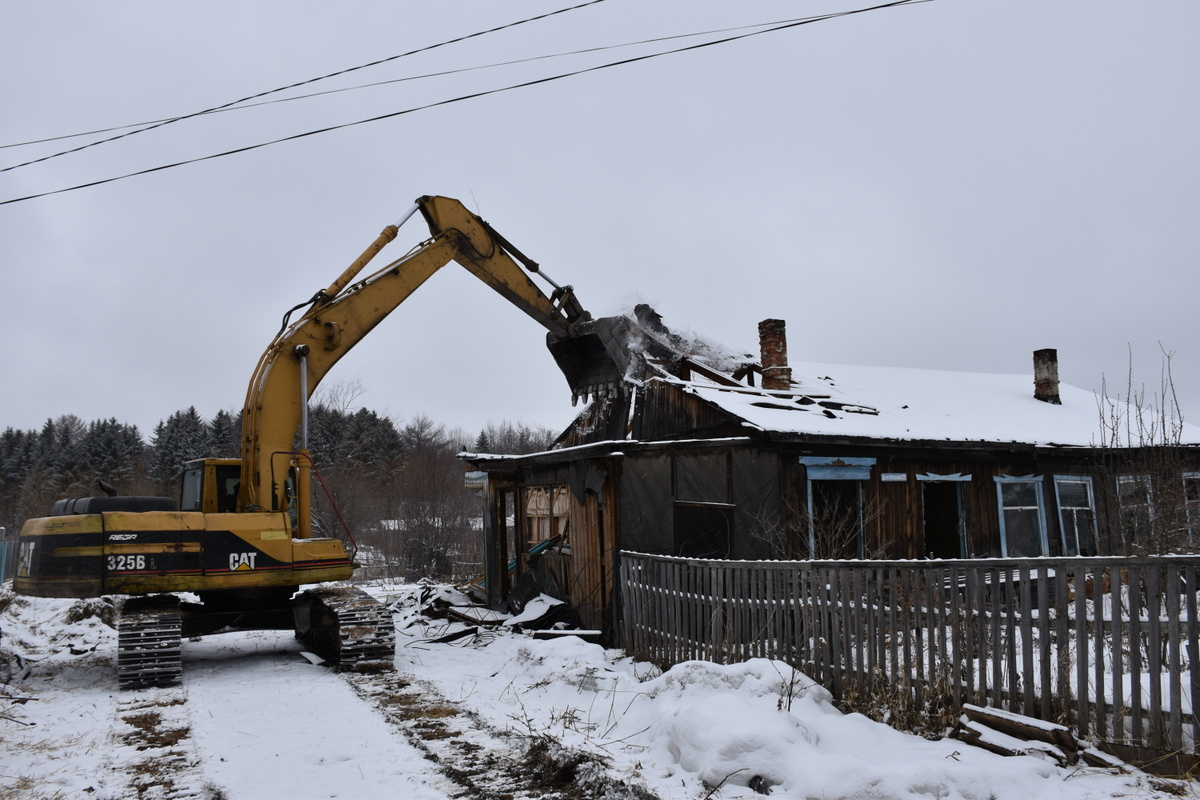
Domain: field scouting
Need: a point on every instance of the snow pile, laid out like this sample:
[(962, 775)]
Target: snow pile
[(700, 725), (727, 739), (253, 720)]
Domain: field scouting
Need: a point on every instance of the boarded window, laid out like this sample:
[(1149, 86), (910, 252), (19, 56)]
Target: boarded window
[(702, 477), (647, 506), (703, 515)]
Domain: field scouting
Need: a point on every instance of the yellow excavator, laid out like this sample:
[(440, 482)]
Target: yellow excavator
[(240, 536)]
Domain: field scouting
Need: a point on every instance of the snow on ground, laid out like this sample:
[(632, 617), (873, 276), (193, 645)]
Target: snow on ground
[(253, 720)]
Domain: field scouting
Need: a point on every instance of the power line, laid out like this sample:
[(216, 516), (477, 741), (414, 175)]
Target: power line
[(461, 98), (243, 105), (225, 106)]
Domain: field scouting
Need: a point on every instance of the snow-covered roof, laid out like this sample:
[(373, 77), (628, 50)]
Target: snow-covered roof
[(917, 405)]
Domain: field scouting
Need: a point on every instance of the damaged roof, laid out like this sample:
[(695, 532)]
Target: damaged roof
[(918, 405), (847, 402)]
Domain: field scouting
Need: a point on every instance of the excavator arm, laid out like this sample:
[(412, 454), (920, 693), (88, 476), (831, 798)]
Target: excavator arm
[(338, 317)]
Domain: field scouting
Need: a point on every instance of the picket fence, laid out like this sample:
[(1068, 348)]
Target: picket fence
[(1107, 646)]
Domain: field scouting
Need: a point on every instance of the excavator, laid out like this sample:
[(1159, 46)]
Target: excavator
[(240, 540)]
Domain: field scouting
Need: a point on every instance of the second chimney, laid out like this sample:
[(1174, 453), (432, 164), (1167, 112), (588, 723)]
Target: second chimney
[(1045, 376), (772, 342)]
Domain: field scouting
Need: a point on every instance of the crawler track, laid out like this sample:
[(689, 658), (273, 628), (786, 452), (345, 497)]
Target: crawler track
[(346, 627), (148, 642)]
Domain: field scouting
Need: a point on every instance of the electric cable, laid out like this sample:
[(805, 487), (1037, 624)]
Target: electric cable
[(461, 98), (247, 105), (427, 48)]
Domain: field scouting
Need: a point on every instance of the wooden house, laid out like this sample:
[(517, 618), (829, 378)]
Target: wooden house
[(706, 456)]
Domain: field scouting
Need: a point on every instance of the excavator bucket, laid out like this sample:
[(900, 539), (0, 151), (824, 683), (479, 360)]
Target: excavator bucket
[(597, 359)]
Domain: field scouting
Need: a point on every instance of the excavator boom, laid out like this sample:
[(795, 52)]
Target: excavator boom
[(337, 318)]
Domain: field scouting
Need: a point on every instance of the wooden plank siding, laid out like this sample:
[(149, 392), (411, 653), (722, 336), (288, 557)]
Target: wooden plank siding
[(590, 561), (1107, 646), (583, 565), (894, 513)]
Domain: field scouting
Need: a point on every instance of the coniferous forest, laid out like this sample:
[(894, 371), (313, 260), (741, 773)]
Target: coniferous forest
[(396, 485)]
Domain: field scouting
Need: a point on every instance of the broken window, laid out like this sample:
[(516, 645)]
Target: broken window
[(835, 507), (835, 518), (1022, 517), (1076, 514), (702, 530), (942, 507), (547, 510)]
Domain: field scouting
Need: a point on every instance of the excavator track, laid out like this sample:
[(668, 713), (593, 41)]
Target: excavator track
[(346, 627), (148, 642)]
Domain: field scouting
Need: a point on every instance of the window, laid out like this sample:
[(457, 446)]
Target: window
[(703, 530), (1076, 514), (229, 481), (191, 490), (835, 514), (1135, 499), (703, 526), (1022, 516), (1191, 499), (835, 519), (546, 513), (942, 514)]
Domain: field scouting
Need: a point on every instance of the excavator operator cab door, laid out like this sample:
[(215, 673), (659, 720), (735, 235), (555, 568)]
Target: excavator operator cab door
[(191, 487)]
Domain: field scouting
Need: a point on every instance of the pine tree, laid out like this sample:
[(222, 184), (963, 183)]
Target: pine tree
[(226, 435), (181, 437), (113, 451)]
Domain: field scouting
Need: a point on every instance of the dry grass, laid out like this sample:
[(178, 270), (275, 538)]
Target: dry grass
[(22, 789), (894, 702), (99, 607)]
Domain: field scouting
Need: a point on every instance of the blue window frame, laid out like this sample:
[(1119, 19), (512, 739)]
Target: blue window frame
[(835, 525), (1022, 516)]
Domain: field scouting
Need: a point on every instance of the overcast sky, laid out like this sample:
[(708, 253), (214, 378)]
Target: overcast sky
[(947, 185)]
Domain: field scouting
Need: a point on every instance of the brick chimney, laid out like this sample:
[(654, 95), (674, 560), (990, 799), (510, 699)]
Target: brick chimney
[(1045, 376), (772, 341)]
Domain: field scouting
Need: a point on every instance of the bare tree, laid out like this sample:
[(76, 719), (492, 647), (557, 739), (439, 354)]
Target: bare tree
[(1150, 500), (827, 529)]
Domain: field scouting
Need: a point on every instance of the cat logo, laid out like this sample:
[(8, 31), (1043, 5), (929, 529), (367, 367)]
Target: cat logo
[(241, 561)]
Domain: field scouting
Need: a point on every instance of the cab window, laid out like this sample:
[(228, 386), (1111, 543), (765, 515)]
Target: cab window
[(191, 490)]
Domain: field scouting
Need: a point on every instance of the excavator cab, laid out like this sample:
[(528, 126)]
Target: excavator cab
[(210, 485)]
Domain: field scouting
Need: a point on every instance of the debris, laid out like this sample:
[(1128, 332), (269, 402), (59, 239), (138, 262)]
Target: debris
[(1010, 734)]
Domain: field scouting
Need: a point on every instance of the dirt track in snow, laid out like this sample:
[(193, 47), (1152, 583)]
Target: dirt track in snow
[(483, 762), (253, 719)]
